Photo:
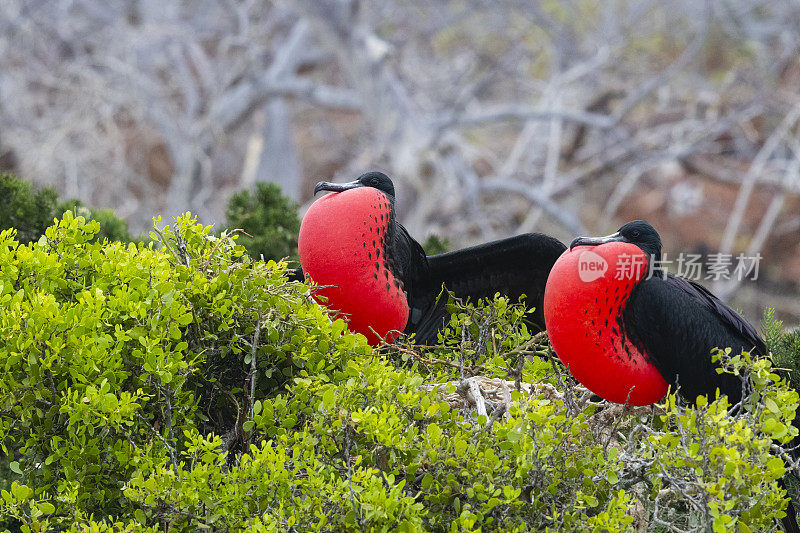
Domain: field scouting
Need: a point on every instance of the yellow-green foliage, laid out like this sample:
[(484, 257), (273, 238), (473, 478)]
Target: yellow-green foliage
[(111, 352), (185, 387)]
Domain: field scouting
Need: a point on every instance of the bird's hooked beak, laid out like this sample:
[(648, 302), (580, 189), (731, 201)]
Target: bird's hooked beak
[(336, 187), (596, 241)]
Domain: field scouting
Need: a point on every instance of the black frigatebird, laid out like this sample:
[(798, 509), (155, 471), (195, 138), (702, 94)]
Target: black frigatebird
[(627, 329), (379, 276)]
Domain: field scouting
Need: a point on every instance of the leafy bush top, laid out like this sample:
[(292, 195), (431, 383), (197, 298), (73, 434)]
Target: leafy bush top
[(30, 211), (183, 387), (269, 220)]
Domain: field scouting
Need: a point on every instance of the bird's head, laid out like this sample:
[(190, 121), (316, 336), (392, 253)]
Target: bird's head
[(376, 180), (637, 232)]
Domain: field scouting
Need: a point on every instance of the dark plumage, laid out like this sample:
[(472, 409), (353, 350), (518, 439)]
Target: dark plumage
[(515, 266), (512, 267), (677, 323)]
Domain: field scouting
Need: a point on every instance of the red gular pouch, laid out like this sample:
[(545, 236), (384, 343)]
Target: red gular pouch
[(586, 292), (342, 243)]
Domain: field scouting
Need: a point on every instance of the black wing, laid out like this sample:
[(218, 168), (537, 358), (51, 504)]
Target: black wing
[(408, 260), (677, 324), (410, 264), (730, 317), (513, 267)]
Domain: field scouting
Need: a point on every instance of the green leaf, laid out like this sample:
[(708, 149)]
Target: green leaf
[(46, 507), (21, 492), (329, 397), (776, 466), (772, 406), (434, 432)]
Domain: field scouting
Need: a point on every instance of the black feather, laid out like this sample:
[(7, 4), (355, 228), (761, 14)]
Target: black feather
[(512, 267), (677, 324)]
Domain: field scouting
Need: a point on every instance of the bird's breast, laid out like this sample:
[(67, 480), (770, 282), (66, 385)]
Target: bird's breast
[(586, 292), (343, 243)]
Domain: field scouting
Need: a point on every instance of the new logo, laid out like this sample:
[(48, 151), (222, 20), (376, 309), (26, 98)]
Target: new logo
[(591, 266)]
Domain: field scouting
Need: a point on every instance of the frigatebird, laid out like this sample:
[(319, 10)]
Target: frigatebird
[(627, 329), (375, 273)]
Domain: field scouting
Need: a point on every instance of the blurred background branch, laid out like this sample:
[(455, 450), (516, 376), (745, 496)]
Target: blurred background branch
[(493, 118)]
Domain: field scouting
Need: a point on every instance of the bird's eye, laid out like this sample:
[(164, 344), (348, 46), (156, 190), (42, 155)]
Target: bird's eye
[(635, 233)]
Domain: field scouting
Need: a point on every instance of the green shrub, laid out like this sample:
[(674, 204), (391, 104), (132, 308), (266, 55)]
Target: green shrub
[(111, 227), (30, 211), (269, 220), (436, 245), (112, 352), (784, 346), (181, 386)]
